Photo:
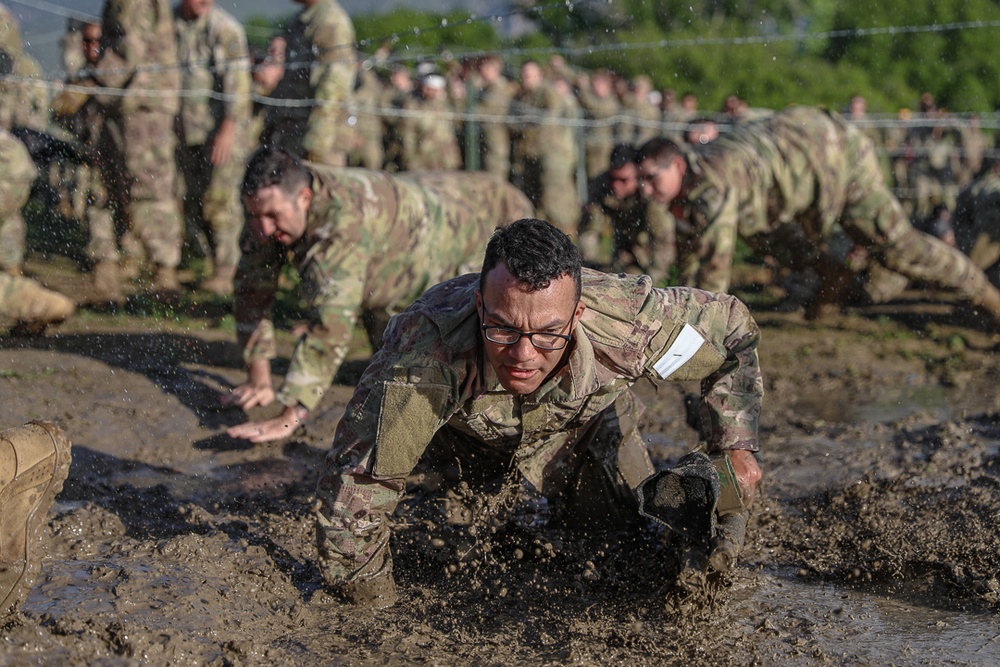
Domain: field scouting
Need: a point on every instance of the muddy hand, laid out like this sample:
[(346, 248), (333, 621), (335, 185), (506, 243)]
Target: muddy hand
[(249, 395), (268, 430)]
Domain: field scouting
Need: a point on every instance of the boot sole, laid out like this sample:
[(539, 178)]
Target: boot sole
[(36, 517)]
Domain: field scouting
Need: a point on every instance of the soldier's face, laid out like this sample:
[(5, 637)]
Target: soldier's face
[(624, 180), (662, 182), (92, 43), (504, 302), (274, 214)]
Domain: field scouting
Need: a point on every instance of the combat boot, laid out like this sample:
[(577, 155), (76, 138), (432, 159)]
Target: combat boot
[(166, 279), (221, 282), (34, 462), (30, 303), (107, 282)]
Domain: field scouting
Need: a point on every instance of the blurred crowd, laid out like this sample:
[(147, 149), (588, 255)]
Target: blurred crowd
[(146, 139)]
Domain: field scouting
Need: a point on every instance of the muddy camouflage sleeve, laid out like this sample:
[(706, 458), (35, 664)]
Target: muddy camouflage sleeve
[(716, 343), (400, 402), (715, 214), (333, 285)]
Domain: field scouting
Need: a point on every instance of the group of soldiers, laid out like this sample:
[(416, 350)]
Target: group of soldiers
[(526, 366)]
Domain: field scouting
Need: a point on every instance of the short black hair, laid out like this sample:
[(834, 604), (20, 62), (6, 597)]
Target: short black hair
[(535, 252), (273, 166), (660, 150), (624, 154)]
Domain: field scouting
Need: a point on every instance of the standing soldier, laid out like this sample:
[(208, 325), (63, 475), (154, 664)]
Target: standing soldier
[(597, 98), (101, 186), (319, 61), (367, 150), (428, 133), (393, 99), (494, 100), (782, 185), (644, 117), (139, 58), (365, 243), (544, 152), (213, 128)]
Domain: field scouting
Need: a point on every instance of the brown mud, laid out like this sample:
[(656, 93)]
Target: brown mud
[(874, 541)]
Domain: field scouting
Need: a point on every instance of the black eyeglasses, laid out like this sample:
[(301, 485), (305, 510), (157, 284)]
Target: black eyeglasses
[(541, 340)]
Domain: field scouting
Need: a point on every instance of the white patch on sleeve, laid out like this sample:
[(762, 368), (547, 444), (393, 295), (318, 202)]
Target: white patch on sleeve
[(687, 343)]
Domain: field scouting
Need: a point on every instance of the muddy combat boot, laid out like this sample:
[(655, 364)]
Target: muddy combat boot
[(107, 282), (221, 282), (34, 462), (32, 305)]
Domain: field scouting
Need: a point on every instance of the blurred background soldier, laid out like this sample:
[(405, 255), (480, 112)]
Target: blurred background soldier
[(976, 221), (428, 132), (99, 194), (933, 160), (544, 154), (494, 100), (643, 116), (365, 119), (213, 128), (394, 98), (319, 61), (620, 229), (139, 53), (598, 101)]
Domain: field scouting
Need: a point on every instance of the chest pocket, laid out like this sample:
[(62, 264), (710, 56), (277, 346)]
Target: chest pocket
[(688, 356), (410, 414)]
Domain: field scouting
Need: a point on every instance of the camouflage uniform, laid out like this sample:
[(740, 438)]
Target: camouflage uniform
[(319, 64), (638, 232), (545, 155), (494, 141), (140, 54), (429, 141), (933, 165), (215, 59), (643, 119), (374, 242), (598, 140), (17, 173), (782, 184), (430, 388), (366, 122), (977, 223)]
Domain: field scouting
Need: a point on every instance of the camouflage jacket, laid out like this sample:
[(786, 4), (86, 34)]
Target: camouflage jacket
[(212, 50), (796, 167), (977, 220), (374, 241), (432, 372), (319, 66), (139, 54), (429, 139)]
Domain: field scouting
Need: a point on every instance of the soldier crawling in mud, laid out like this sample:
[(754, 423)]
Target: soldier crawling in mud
[(782, 184), (976, 222), (365, 243), (526, 369)]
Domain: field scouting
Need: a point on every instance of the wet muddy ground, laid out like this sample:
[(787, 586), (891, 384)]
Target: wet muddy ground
[(875, 539)]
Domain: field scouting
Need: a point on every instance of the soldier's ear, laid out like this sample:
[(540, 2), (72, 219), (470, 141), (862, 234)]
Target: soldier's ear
[(305, 197)]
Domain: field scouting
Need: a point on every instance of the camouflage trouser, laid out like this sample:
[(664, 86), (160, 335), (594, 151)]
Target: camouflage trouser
[(494, 148), (211, 199), (590, 474), (149, 142), (18, 173)]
